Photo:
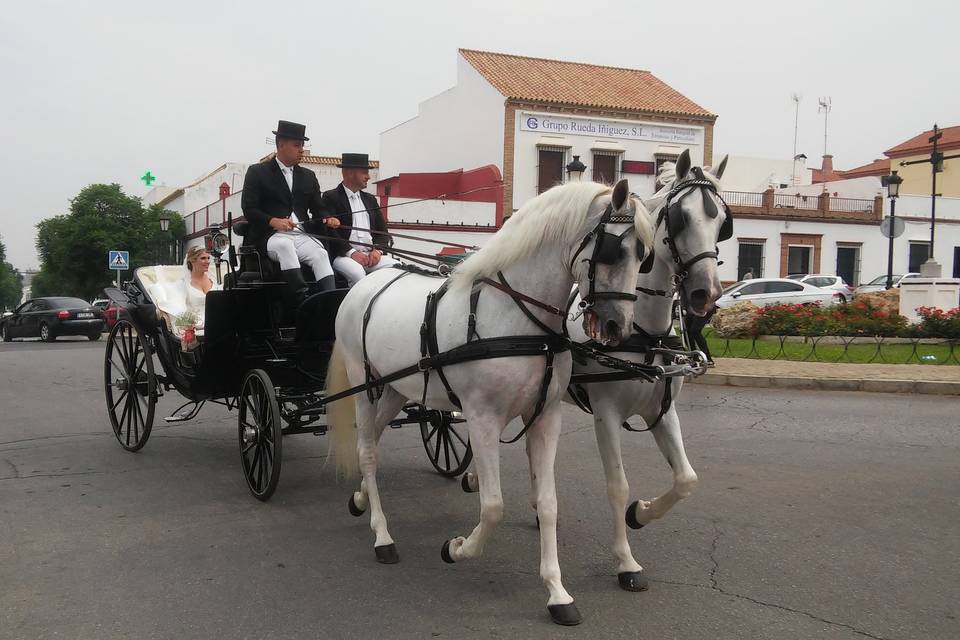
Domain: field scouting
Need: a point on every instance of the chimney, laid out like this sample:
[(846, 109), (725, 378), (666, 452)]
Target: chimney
[(827, 166)]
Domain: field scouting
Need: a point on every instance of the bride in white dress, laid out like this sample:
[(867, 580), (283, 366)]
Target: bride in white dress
[(198, 282)]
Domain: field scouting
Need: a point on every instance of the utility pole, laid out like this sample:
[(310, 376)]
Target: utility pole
[(936, 166), (796, 127), (826, 104)]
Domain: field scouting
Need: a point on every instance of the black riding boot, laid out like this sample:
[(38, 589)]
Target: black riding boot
[(296, 288), (326, 284)]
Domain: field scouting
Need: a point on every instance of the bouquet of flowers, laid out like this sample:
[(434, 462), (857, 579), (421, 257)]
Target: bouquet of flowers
[(187, 330)]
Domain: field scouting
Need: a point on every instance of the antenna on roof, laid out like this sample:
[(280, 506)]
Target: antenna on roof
[(796, 126), (826, 104)]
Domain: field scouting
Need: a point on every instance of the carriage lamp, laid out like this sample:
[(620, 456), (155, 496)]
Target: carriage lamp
[(164, 222), (575, 169)]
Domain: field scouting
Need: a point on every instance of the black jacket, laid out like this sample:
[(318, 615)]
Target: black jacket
[(266, 195), (335, 203)]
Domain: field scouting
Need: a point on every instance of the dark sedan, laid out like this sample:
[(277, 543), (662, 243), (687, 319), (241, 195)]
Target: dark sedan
[(49, 318)]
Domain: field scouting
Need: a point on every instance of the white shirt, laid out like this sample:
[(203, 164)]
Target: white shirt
[(288, 176), (361, 219)]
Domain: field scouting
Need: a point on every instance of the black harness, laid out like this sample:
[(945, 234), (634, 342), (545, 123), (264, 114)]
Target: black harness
[(607, 250), (671, 213)]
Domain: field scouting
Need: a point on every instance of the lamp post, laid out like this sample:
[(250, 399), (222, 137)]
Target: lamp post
[(893, 190), (165, 227), (575, 169)]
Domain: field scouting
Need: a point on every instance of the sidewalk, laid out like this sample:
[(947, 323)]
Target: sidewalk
[(785, 374)]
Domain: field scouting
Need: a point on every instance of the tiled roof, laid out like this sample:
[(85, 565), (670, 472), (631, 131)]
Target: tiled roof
[(918, 144), (326, 160), (880, 167), (574, 83)]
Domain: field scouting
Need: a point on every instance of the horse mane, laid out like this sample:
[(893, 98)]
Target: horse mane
[(557, 216)]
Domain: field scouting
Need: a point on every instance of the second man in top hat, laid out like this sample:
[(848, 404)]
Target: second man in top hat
[(359, 211)]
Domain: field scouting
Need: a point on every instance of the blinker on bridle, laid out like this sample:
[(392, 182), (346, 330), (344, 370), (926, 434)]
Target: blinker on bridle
[(606, 250)]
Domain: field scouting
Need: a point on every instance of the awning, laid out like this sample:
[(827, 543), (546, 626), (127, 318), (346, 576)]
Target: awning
[(668, 150), (607, 146), (553, 141)]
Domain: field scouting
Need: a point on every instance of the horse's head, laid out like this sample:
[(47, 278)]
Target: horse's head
[(692, 219), (606, 261)]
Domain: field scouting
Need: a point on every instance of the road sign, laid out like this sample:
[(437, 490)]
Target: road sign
[(898, 227), (119, 260)]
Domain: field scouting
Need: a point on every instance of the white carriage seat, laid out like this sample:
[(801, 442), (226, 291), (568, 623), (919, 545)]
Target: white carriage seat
[(167, 287)]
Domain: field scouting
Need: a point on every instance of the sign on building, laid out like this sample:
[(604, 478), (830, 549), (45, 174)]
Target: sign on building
[(618, 129)]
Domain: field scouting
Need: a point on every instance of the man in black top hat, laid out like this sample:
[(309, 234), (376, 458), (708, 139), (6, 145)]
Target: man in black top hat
[(279, 198), (359, 210)]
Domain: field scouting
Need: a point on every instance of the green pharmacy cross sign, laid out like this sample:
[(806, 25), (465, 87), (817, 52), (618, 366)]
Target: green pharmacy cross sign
[(148, 178)]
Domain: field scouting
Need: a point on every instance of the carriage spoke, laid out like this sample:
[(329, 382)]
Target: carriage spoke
[(431, 434), (129, 413), (123, 417), (453, 450), (122, 370), (247, 447), (446, 449), (260, 471), (123, 395), (454, 432)]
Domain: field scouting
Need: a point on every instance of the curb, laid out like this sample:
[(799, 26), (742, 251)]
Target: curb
[(927, 387)]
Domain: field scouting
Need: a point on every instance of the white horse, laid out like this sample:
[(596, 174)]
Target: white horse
[(541, 251), (691, 220)]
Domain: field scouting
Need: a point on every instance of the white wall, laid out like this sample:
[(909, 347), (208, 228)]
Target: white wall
[(919, 206), (873, 252), (526, 156), (461, 128), (865, 188), (745, 173), (443, 212)]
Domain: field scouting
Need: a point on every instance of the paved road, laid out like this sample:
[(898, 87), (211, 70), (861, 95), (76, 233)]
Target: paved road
[(819, 515)]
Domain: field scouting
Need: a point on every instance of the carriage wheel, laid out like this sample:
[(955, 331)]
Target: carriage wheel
[(260, 434), (129, 385), (446, 442)]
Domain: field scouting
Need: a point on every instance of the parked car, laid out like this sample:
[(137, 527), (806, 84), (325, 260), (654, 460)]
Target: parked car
[(767, 291), (835, 283), (113, 313), (880, 283), (49, 318), (100, 303)]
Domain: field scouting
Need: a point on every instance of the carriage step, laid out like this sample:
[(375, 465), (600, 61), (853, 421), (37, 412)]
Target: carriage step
[(179, 417)]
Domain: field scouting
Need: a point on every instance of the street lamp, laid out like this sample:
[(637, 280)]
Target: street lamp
[(575, 169), (893, 190), (164, 222)]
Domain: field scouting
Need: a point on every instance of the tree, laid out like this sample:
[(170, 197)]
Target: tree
[(73, 247), (11, 282)]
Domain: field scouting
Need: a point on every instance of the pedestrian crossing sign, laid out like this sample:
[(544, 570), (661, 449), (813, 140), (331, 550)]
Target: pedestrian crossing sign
[(119, 260)]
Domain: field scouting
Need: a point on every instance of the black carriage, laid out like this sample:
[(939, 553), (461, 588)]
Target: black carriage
[(253, 357)]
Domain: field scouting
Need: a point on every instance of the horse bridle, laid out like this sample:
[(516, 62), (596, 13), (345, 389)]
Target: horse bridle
[(671, 212), (606, 250)]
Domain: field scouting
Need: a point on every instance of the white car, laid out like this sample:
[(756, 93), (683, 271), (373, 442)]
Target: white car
[(767, 291), (880, 283), (834, 283)]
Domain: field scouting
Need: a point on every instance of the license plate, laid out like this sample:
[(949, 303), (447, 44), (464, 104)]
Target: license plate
[(85, 314)]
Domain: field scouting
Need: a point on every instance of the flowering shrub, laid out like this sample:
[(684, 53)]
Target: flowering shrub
[(937, 323), (859, 318)]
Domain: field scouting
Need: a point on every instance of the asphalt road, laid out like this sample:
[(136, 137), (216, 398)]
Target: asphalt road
[(819, 515)]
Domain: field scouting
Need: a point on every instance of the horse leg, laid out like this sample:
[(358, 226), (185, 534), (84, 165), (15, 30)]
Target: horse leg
[(670, 441), (542, 439), (485, 440), (371, 421), (607, 423)]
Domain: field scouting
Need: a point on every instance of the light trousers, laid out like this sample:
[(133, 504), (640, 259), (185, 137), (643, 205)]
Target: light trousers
[(353, 271), (290, 249)]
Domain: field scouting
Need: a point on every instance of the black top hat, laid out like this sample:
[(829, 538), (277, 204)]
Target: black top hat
[(355, 161), (291, 130)]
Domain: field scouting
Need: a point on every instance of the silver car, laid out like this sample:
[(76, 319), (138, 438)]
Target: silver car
[(767, 291), (880, 283), (834, 283)]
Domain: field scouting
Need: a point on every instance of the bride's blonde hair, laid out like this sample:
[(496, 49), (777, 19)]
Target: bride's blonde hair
[(192, 254)]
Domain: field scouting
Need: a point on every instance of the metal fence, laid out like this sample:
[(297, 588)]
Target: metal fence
[(789, 201), (742, 198), (839, 349), (851, 204)]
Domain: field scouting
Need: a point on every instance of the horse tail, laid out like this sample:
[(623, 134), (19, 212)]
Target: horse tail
[(342, 416)]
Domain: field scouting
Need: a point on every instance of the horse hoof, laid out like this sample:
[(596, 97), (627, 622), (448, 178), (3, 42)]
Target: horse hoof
[(355, 511), (445, 553), (632, 581), (631, 517), (565, 614), (465, 483), (387, 554)]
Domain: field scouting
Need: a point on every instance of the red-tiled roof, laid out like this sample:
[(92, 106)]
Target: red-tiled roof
[(880, 167), (575, 83), (327, 160), (919, 143)]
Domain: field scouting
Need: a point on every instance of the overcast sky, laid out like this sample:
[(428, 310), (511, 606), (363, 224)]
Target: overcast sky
[(103, 91)]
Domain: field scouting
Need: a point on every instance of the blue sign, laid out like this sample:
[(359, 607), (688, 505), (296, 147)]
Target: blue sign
[(119, 260)]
